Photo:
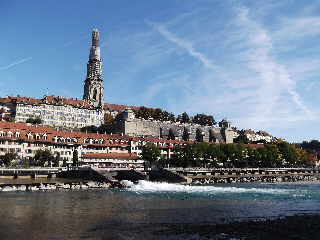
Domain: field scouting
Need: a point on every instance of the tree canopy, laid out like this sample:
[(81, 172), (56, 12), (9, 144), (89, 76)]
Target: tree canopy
[(7, 158), (44, 156), (150, 153)]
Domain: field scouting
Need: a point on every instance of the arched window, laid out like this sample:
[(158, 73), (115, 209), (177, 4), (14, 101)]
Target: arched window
[(95, 94)]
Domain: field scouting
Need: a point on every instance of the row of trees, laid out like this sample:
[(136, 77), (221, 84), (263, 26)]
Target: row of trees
[(203, 154), (158, 114), (42, 157)]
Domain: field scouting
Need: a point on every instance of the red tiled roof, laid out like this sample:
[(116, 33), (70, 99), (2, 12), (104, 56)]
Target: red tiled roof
[(249, 131), (118, 108), (24, 129), (110, 156)]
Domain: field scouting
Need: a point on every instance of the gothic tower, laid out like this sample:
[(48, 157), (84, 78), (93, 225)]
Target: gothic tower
[(93, 90)]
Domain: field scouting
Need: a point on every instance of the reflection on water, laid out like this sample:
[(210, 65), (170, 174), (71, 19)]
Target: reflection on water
[(123, 214)]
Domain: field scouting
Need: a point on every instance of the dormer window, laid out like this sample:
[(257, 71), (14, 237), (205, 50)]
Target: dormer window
[(29, 136), (45, 136), (18, 134), (37, 137), (9, 134), (2, 133)]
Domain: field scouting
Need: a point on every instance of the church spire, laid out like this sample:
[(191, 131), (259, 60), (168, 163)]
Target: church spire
[(93, 90)]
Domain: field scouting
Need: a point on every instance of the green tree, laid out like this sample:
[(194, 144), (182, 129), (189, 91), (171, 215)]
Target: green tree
[(185, 118), (57, 161), (116, 131), (214, 153), (144, 112), (204, 120), (287, 152), (150, 153), (188, 155), (157, 114), (177, 159), (200, 151), (75, 158), (12, 119), (269, 155), (242, 138), (253, 156), (36, 120), (8, 157), (44, 156), (64, 164), (89, 129), (230, 153)]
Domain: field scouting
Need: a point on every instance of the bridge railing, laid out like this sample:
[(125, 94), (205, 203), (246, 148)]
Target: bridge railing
[(237, 169)]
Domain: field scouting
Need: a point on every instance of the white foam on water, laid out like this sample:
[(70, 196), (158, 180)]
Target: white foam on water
[(145, 186)]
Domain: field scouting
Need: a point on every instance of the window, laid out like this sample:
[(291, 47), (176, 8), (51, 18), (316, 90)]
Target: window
[(9, 134), (2, 134)]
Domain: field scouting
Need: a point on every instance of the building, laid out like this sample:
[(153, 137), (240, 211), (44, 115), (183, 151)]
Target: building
[(93, 90), (74, 114), (129, 125), (94, 149)]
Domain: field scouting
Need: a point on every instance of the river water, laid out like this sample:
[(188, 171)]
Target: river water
[(133, 212)]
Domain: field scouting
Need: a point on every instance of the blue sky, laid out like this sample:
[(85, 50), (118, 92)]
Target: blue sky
[(255, 62)]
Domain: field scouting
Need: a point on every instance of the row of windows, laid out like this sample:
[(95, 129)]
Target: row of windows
[(10, 134), (27, 107), (36, 114)]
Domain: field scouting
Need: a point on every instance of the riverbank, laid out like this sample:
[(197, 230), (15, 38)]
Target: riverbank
[(289, 227)]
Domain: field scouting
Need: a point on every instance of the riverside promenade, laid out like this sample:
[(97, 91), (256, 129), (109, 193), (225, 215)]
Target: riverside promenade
[(230, 175), (196, 176)]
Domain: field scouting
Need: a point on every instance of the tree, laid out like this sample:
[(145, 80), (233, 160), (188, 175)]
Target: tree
[(57, 161), (36, 120), (157, 114), (108, 118), (176, 159), (253, 156), (44, 156), (144, 112), (204, 120), (242, 138), (64, 164), (12, 119), (185, 118), (150, 153), (200, 151), (165, 116), (89, 129), (230, 153), (287, 152), (214, 153), (269, 155), (75, 158), (118, 117), (8, 157)]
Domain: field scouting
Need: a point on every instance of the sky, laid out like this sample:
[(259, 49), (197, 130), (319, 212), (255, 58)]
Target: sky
[(256, 63)]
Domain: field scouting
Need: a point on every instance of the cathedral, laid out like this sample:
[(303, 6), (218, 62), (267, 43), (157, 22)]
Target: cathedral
[(93, 90), (74, 114)]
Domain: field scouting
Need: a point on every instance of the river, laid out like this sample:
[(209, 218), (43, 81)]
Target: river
[(139, 211)]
